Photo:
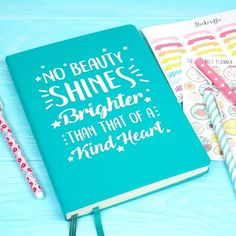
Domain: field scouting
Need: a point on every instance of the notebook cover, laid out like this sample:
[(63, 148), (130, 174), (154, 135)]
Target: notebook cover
[(103, 115)]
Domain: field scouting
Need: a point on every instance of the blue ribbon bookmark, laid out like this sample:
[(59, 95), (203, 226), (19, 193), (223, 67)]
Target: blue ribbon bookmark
[(98, 222), (73, 224)]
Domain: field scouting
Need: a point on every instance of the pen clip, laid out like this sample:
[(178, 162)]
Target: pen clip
[(203, 75), (218, 107), (210, 89)]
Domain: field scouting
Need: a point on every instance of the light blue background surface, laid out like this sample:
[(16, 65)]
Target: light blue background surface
[(205, 206)]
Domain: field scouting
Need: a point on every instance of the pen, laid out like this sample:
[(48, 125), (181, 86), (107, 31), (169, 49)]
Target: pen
[(24, 166), (216, 80), (215, 117)]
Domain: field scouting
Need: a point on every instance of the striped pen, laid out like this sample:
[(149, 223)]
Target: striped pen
[(215, 118)]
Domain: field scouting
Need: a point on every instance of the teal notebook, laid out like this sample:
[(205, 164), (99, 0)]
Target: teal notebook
[(106, 122)]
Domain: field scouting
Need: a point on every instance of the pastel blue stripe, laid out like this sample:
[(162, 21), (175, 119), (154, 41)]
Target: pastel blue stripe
[(174, 73)]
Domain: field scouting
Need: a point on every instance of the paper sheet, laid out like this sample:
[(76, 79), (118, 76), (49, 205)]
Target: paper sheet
[(205, 36), (194, 107)]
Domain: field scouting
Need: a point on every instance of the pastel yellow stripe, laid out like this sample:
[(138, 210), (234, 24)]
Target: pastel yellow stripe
[(232, 46), (220, 55), (168, 59), (172, 66), (195, 48), (234, 53), (171, 51), (209, 51), (229, 39)]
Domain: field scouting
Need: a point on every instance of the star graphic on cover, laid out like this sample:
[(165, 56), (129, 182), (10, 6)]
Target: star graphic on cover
[(125, 48), (70, 159), (147, 99), (56, 124), (157, 123), (38, 79), (104, 49), (120, 149)]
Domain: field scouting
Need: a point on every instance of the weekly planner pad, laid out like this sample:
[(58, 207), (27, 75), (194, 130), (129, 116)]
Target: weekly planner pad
[(106, 122), (194, 84), (213, 35)]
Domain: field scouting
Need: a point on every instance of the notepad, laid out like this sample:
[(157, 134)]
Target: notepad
[(105, 120), (193, 105), (213, 35)]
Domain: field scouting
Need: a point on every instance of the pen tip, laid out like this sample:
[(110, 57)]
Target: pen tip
[(39, 195)]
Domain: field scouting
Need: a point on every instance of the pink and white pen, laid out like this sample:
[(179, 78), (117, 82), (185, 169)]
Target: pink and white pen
[(215, 79), (24, 166)]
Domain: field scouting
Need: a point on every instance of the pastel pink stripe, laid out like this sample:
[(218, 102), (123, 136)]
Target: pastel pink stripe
[(215, 79), (192, 41), (225, 26), (196, 33), (164, 45), (24, 166), (227, 32), (169, 38)]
